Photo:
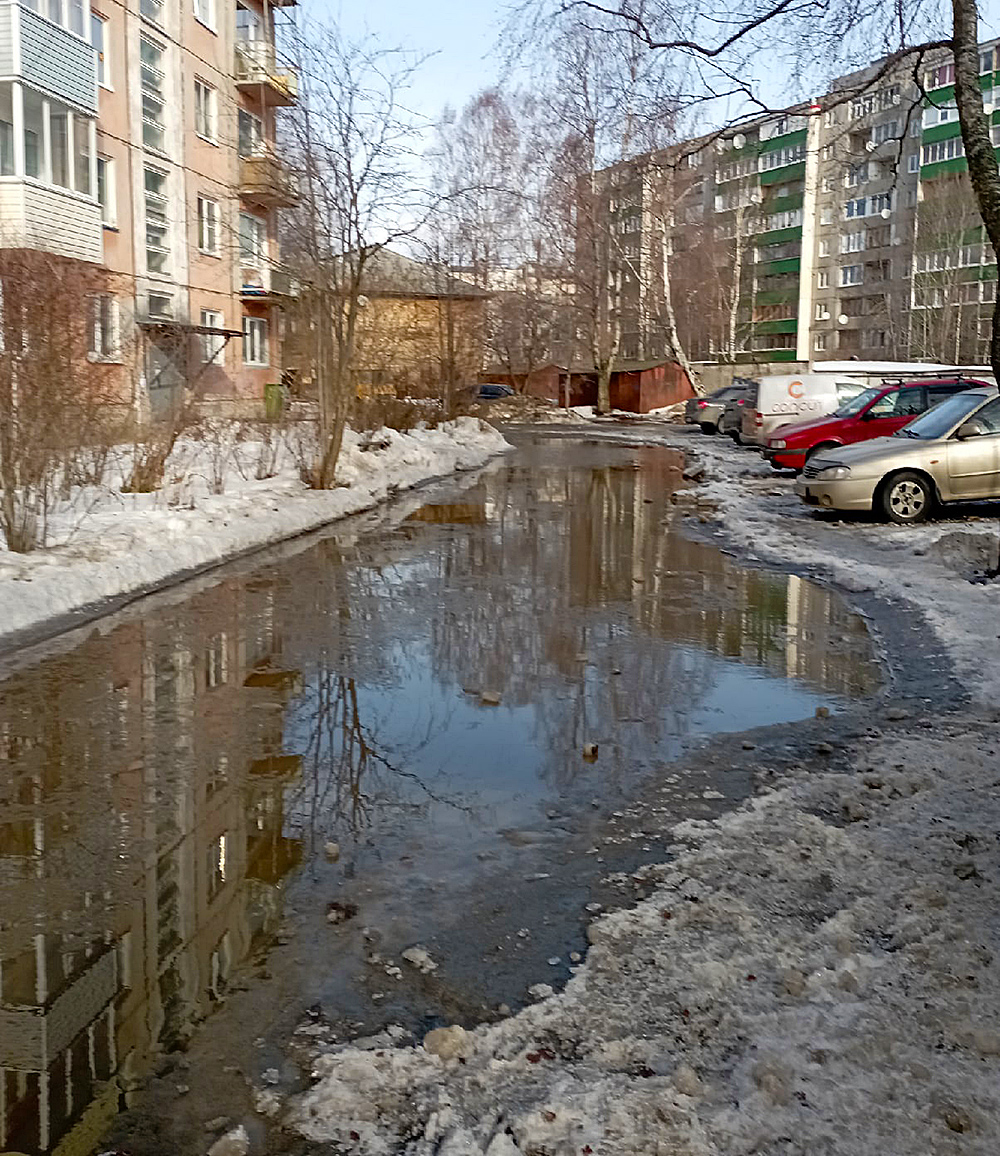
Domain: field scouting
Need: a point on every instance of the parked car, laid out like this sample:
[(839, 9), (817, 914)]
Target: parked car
[(787, 397), (876, 412), (950, 453), (706, 411), (731, 421), (493, 391)]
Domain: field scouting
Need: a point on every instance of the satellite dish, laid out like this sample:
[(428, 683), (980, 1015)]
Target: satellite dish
[(870, 145), (739, 140), (843, 319), (885, 214)]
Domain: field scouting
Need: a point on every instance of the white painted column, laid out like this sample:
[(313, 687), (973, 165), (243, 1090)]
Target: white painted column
[(17, 115), (71, 150)]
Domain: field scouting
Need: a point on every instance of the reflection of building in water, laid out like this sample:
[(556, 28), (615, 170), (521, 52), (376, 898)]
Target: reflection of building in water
[(141, 839)]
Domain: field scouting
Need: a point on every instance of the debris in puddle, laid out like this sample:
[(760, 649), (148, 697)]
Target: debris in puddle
[(593, 908), (537, 877), (419, 958), (338, 912), (554, 961), (710, 794), (523, 933), (748, 745), (271, 1076), (332, 851), (451, 1043), (575, 957), (216, 1124), (503, 1010), (822, 712), (540, 991), (490, 698), (234, 1143)]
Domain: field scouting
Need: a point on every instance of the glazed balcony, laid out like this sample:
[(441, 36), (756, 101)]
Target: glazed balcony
[(259, 73)]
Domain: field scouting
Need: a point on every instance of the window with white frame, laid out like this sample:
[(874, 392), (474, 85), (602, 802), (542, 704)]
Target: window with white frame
[(939, 77), (157, 227), (852, 242), (213, 345), (253, 240), (254, 341), (943, 150), (851, 274), (204, 13), (826, 216), (856, 175), (856, 208), (819, 342), (828, 184), (208, 226), (106, 190), (161, 305), (887, 130), (151, 60), (151, 9), (880, 203), (940, 114), (98, 37), (820, 312), (250, 134), (204, 110), (67, 162), (985, 61), (824, 248), (913, 163), (823, 279), (104, 330)]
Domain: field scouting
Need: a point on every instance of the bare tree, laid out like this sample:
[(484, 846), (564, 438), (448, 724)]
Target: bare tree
[(57, 412), (354, 143)]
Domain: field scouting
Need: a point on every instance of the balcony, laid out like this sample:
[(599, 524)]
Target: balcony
[(267, 181), (260, 73), (46, 217), (47, 57), (271, 286)]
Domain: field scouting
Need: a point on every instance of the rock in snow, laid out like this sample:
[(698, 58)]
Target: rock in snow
[(234, 1143)]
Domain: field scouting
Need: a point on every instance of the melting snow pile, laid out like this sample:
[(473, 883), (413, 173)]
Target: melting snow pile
[(109, 543), (816, 975)]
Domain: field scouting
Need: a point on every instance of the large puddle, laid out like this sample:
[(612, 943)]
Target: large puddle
[(423, 698)]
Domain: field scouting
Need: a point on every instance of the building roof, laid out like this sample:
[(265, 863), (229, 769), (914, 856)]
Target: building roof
[(390, 274)]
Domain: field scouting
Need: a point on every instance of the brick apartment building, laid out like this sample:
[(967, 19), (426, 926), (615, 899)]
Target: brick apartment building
[(843, 229), (140, 137)]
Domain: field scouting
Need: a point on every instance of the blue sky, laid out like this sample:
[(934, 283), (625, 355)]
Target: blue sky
[(461, 34)]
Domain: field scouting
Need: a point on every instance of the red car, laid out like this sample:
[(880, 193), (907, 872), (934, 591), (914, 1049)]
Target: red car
[(874, 413)]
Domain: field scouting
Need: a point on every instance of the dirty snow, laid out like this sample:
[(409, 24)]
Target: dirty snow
[(108, 544), (816, 974)]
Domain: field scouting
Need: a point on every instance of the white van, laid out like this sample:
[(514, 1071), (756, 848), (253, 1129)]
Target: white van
[(783, 398)]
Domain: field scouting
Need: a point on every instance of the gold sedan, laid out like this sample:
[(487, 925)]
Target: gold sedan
[(951, 453)]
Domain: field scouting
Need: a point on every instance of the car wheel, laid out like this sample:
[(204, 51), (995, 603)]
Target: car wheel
[(906, 497), (820, 448), (707, 427)]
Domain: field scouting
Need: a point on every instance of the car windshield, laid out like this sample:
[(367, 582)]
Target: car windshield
[(936, 422), (857, 404)]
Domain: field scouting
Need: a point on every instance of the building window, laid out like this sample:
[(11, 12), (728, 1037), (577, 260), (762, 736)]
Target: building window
[(940, 77), (204, 13), (216, 865), (216, 654), (157, 250), (824, 248), (254, 341), (852, 242), (81, 155), (986, 61), (59, 146), (204, 110), (880, 203), (913, 163), (104, 332), (856, 208), (151, 73), (823, 279), (208, 226), (828, 184), (160, 305), (943, 150), (253, 237), (819, 342), (6, 131), (251, 134), (213, 345), (98, 39), (151, 9), (851, 274), (826, 216), (106, 190), (248, 24)]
